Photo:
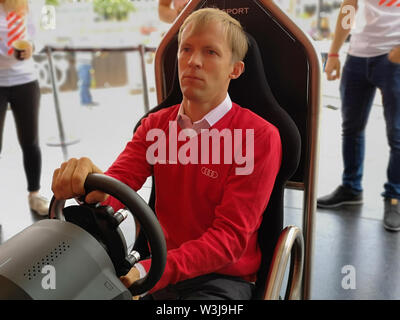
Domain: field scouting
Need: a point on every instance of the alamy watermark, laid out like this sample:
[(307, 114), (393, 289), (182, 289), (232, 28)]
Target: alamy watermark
[(167, 152), (348, 21), (349, 280), (48, 17), (49, 280)]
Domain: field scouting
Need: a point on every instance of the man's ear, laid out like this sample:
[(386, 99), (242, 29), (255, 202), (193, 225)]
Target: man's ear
[(238, 69)]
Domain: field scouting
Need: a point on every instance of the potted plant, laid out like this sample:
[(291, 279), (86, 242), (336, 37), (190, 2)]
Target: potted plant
[(118, 10)]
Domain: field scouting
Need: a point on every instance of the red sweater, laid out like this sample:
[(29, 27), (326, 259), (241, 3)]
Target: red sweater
[(209, 217)]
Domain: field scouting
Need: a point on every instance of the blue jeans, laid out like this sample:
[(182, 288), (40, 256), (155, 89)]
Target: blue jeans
[(361, 77), (84, 83)]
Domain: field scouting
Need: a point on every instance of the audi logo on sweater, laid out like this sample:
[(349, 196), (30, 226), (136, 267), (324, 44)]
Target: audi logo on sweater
[(209, 173)]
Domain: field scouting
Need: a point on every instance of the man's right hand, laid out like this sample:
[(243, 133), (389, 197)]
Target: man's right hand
[(332, 68), (69, 180)]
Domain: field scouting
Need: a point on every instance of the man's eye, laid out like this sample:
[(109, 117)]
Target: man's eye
[(212, 52)]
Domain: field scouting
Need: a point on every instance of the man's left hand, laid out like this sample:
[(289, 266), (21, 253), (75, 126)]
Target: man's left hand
[(394, 55)]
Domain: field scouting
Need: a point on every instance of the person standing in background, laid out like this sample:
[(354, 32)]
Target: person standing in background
[(84, 69), (373, 62), (168, 10), (20, 89)]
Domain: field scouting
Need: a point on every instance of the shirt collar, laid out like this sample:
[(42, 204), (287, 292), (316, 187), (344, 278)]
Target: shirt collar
[(214, 115)]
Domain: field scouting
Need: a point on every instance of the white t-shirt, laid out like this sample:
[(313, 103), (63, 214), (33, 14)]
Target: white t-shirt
[(377, 28), (12, 71)]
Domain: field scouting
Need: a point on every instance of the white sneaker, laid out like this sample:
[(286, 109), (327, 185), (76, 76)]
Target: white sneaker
[(39, 204)]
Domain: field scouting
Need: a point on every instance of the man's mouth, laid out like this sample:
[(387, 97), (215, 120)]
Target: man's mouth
[(190, 77)]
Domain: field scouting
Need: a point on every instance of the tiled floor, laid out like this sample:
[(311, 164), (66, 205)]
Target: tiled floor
[(350, 236)]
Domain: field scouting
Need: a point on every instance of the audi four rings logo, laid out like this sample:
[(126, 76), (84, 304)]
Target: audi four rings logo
[(209, 173), (389, 3)]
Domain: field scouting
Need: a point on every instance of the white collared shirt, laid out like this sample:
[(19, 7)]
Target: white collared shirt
[(208, 120)]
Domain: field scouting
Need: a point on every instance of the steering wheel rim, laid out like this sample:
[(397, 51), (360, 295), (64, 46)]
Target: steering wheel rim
[(143, 213)]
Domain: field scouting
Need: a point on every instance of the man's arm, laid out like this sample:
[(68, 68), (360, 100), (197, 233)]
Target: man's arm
[(344, 23)]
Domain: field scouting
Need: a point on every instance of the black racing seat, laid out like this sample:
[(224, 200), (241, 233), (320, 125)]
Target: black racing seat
[(252, 91)]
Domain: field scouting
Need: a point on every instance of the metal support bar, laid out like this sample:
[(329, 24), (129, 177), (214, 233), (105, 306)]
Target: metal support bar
[(319, 6), (144, 79), (308, 234), (290, 245), (57, 105)]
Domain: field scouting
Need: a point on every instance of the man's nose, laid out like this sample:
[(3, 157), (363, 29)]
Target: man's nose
[(195, 59)]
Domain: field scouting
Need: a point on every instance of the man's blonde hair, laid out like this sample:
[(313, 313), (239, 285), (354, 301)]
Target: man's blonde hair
[(233, 30), (19, 6)]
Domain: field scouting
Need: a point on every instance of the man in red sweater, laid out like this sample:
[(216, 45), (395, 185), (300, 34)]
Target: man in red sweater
[(210, 197)]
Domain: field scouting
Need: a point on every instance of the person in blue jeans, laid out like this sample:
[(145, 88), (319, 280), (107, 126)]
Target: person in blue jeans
[(372, 62), (84, 65)]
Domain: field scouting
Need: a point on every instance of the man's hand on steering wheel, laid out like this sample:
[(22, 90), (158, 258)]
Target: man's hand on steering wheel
[(68, 180), (128, 279)]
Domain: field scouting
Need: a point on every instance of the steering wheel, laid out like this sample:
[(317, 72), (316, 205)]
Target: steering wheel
[(102, 223)]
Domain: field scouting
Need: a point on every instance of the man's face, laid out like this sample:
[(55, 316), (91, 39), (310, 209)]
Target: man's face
[(205, 64)]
